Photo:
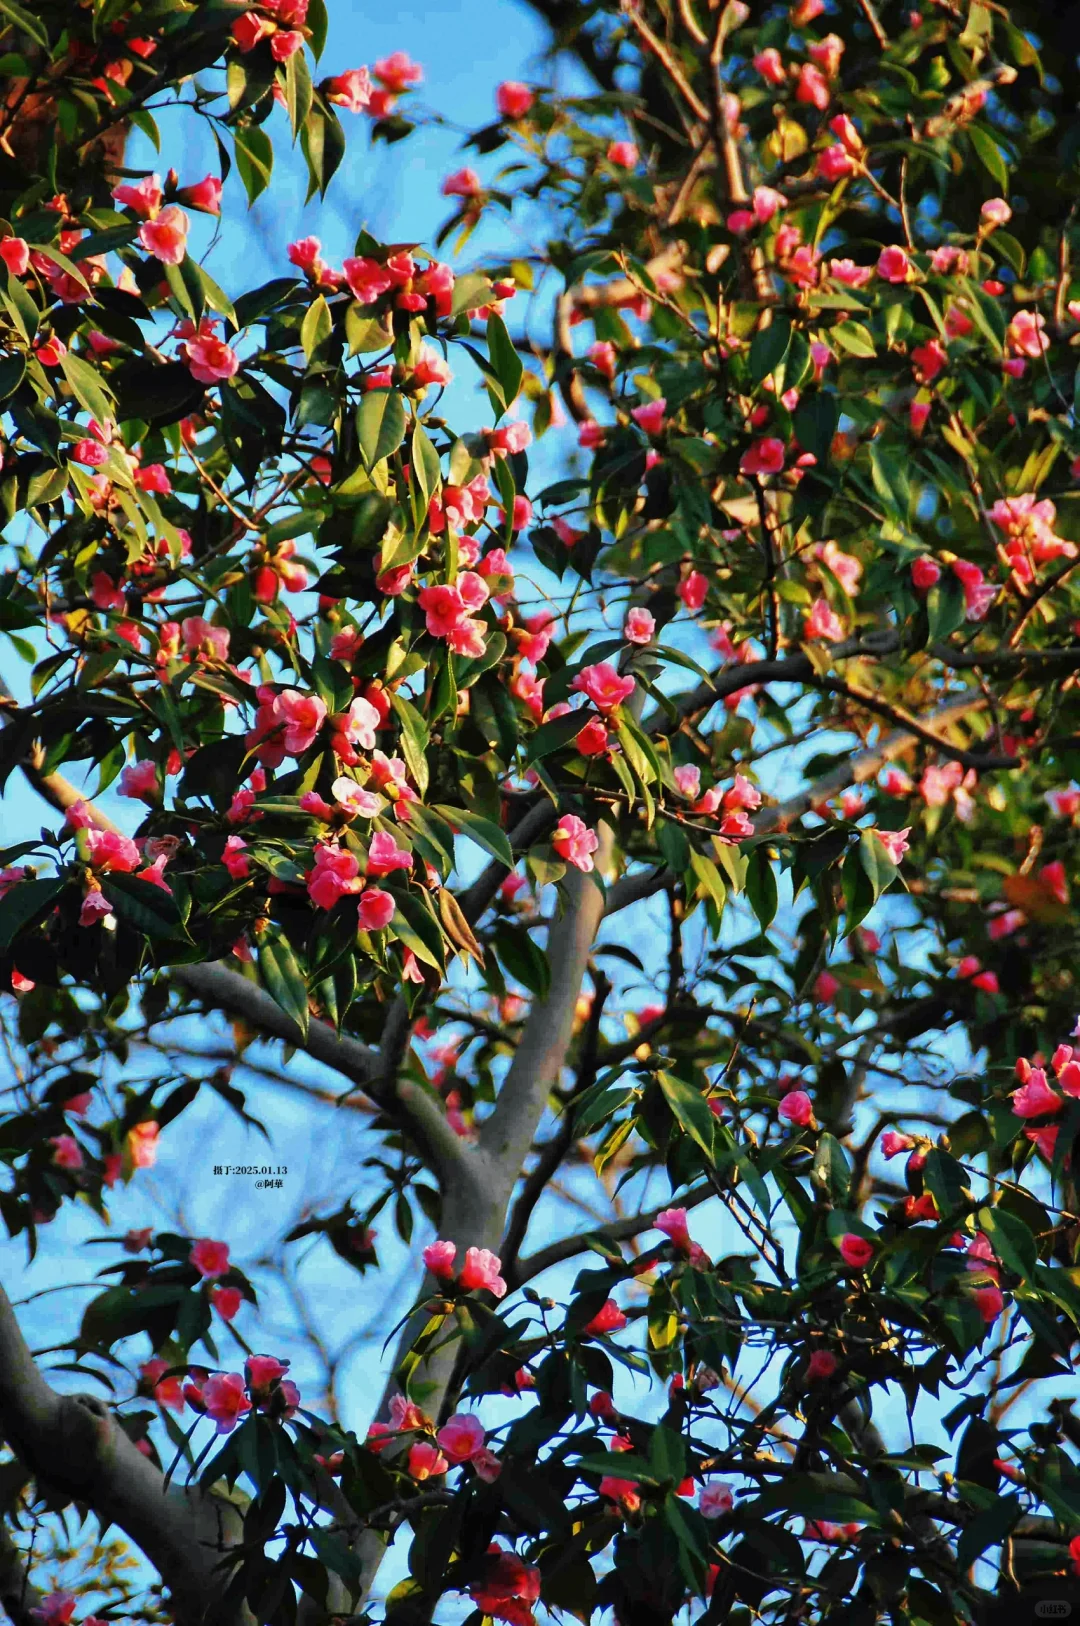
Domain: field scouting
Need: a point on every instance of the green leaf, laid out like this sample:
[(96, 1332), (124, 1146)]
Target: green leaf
[(815, 423), (506, 364), (482, 831), (317, 325), (709, 877), (854, 338), (414, 739), (25, 20), (142, 905), (761, 886), (1011, 1241), (87, 387), (470, 293), (23, 903), (298, 90), (989, 155), (323, 143), (768, 349), (426, 472), (380, 425), (254, 159), (945, 1179), (987, 1529), (691, 1110), (880, 870), (12, 373), (552, 736), (283, 979)]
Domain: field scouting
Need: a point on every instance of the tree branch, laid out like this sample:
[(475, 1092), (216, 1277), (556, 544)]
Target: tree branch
[(620, 1230), (72, 1444)]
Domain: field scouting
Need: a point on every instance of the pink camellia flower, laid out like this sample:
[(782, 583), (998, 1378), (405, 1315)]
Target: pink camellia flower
[(165, 237), (767, 201), (1036, 1099), (136, 1241), (826, 55), (209, 358), (366, 279), (513, 99), (770, 66), (821, 1365), (603, 356), (763, 457), (463, 183), (303, 716), (826, 987), (426, 1461), (855, 1251), (812, 87), (109, 850), (249, 29), (439, 1258), (848, 274), (209, 1258), (687, 779), (375, 910), (521, 514), (145, 197), (623, 154), (153, 477), (486, 1466), (481, 1270), (925, 572), (742, 795), (226, 1301), (609, 1318), (351, 90), (892, 1142), (204, 195), (639, 627), (603, 686), (822, 621), (168, 1392), (56, 1609), (384, 855), (797, 1109), (430, 367), (650, 417), (140, 779), (508, 438), (335, 873), (96, 910), (674, 1224), (461, 1437), (928, 360), (263, 1372), (574, 841), (398, 73), (15, 253), (834, 163), (224, 1400), (593, 740), (235, 859), (623, 1492), (67, 1153), (715, 1499), (692, 590), (893, 264), (895, 842), (1026, 334), (995, 212)]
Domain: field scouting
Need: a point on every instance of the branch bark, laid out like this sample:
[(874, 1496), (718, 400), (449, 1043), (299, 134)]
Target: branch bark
[(73, 1444)]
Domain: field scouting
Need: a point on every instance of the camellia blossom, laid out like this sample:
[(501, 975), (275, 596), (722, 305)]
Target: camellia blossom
[(855, 1251), (639, 627), (715, 1499), (574, 841), (603, 686), (797, 1109), (461, 1437), (165, 237), (609, 1318), (224, 1400), (481, 1271), (210, 1258), (763, 457)]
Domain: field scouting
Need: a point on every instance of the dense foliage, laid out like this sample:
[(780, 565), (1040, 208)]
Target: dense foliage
[(550, 815)]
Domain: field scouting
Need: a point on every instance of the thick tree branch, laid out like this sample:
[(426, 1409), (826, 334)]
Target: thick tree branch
[(621, 1230), (73, 1445)]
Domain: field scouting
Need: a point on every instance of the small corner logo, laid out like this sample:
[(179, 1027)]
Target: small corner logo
[(1053, 1609)]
